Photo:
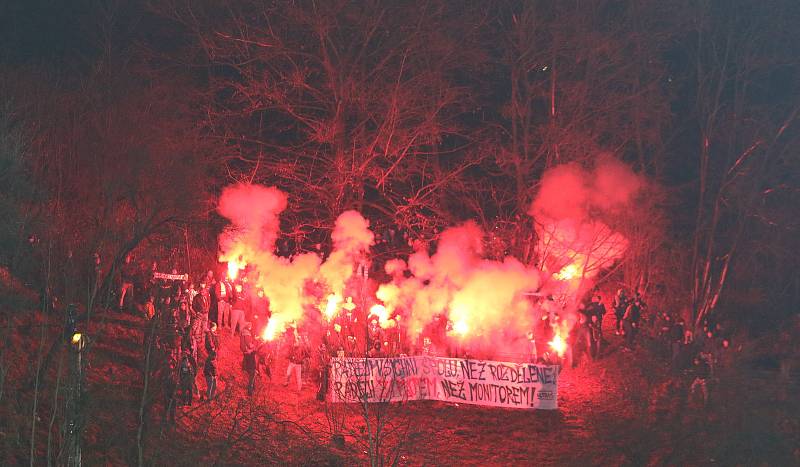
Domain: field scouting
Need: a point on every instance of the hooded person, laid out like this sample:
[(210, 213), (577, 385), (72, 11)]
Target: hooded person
[(264, 359), (676, 336), (324, 367), (583, 333), (248, 347), (187, 369)]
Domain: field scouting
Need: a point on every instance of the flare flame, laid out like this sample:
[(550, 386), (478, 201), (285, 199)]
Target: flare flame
[(485, 300)]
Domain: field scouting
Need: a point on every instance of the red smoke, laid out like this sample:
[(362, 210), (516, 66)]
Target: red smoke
[(571, 211), (351, 242), (253, 211), (474, 302)]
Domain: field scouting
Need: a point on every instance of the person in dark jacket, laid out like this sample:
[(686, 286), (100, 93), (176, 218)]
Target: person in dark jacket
[(170, 393), (247, 344), (676, 332), (620, 304), (210, 373), (201, 306), (184, 317), (210, 367), (212, 340), (187, 370), (582, 333), (600, 312), (264, 359), (630, 321), (210, 284)]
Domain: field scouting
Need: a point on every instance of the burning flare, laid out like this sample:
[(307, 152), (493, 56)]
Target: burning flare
[(558, 344), (270, 331), (383, 315), (487, 302), (568, 272), (233, 268), (331, 308), (461, 328)]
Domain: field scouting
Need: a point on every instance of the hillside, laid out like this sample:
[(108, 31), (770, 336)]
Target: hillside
[(626, 409)]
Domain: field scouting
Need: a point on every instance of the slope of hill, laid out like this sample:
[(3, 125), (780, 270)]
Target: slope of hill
[(627, 408)]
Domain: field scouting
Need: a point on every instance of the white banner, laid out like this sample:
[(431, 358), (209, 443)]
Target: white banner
[(170, 277), (480, 382)]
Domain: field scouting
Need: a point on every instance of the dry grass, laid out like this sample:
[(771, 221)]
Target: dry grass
[(626, 409)]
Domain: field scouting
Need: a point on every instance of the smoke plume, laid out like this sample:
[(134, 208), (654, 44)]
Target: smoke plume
[(480, 302), (572, 209), (351, 241)]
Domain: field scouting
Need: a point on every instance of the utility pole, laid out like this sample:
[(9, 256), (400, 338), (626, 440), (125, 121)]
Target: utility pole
[(188, 258), (73, 425)]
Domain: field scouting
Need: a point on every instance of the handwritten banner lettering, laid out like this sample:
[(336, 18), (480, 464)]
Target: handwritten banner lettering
[(479, 382)]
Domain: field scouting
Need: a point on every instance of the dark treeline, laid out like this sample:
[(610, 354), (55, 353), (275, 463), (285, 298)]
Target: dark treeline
[(121, 121)]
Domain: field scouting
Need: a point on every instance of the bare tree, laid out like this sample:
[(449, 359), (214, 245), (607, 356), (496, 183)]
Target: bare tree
[(342, 105), (744, 136), (579, 80), (370, 408)]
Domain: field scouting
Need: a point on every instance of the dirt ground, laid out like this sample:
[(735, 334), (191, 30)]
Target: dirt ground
[(628, 408)]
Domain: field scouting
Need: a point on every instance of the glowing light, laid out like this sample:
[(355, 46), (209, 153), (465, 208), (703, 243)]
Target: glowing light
[(481, 298), (379, 311), (332, 306), (558, 344), (460, 327), (76, 338), (233, 268), (568, 272), (271, 331), (383, 316)]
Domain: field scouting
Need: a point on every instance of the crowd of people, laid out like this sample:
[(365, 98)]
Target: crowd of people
[(186, 319), (183, 321), (697, 355)]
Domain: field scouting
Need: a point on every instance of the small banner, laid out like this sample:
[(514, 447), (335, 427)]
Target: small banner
[(170, 277), (464, 381)]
